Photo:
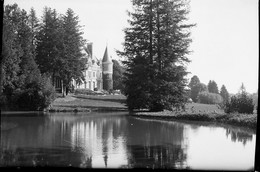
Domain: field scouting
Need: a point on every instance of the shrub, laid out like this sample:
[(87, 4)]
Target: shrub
[(241, 104), (48, 91), (37, 95), (3, 101), (209, 98), (85, 91)]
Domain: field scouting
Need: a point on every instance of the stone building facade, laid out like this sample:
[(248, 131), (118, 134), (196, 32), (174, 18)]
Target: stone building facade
[(98, 74)]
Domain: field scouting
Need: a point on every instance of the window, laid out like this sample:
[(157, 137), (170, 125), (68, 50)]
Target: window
[(89, 74), (93, 74)]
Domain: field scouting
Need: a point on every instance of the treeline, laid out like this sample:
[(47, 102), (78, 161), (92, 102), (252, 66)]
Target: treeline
[(34, 52), (242, 102)]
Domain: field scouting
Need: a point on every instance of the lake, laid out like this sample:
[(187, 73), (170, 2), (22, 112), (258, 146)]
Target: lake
[(117, 140)]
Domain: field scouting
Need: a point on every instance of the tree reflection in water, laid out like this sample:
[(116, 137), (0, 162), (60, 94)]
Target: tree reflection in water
[(239, 136), (156, 144)]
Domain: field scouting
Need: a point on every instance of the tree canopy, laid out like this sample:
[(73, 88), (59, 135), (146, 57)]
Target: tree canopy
[(224, 93), (33, 50), (60, 46), (118, 75), (213, 87), (22, 83), (196, 87)]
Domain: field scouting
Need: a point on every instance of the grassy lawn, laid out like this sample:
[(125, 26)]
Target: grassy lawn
[(89, 102)]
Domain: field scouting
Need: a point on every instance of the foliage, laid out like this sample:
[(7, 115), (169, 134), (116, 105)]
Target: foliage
[(11, 50), (73, 64), (194, 92), (209, 98), (85, 91), (155, 49), (196, 87), (194, 81), (33, 23), (118, 75), (59, 46), (255, 99), (241, 103), (23, 85), (91, 92), (224, 93), (213, 87), (49, 42), (37, 95)]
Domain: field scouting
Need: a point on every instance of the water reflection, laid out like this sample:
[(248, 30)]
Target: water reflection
[(100, 141), (211, 149), (116, 140), (239, 136), (156, 145)]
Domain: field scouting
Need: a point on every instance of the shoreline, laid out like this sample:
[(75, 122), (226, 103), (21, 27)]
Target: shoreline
[(235, 119), (238, 120)]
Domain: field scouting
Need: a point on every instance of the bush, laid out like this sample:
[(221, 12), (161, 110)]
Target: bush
[(3, 102), (90, 92), (37, 95), (84, 91), (209, 98), (241, 104), (48, 91)]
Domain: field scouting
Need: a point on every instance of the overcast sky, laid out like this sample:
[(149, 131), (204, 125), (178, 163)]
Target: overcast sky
[(225, 40)]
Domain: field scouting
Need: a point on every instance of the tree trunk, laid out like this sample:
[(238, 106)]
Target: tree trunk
[(158, 38), (62, 89), (151, 32)]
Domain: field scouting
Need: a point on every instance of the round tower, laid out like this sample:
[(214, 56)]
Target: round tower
[(107, 66)]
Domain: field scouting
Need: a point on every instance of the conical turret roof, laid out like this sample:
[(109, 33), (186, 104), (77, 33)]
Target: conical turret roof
[(106, 58)]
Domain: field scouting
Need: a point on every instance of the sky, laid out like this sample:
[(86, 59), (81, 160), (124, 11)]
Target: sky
[(225, 39)]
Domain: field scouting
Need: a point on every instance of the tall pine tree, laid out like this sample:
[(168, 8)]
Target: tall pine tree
[(224, 93), (73, 42), (213, 87), (59, 46), (34, 26), (11, 50), (156, 45), (29, 69), (50, 43)]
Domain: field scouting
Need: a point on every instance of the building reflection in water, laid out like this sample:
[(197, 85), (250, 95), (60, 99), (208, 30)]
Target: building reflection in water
[(100, 141), (114, 142)]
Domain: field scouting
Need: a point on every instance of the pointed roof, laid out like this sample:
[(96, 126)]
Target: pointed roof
[(106, 57)]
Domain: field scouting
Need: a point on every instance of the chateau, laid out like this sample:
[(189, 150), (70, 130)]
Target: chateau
[(98, 73)]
